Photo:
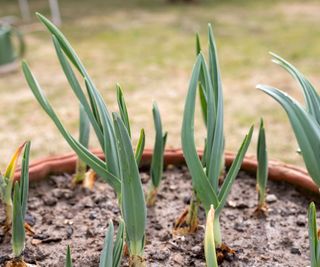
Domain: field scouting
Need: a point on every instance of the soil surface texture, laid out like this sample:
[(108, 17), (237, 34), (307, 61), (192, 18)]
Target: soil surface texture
[(61, 215)]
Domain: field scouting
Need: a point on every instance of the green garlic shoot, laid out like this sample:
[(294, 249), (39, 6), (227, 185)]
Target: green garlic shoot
[(205, 179), (120, 171), (262, 170), (20, 198), (209, 245), (112, 251), (68, 258), (157, 157), (7, 181), (313, 236), (305, 121)]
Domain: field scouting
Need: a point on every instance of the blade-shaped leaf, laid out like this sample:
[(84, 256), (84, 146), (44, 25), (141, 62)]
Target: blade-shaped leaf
[(233, 172), (313, 234), (305, 127), (24, 179), (119, 244), (140, 146), (209, 245), (262, 169), (9, 173), (94, 162), (215, 137), (75, 86), (310, 94), (68, 258), (133, 203), (123, 109), (200, 181), (18, 233), (106, 257), (158, 150)]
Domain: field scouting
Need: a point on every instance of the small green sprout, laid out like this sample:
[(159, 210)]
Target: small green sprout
[(113, 133), (205, 179), (112, 251), (262, 170), (157, 157), (313, 236), (7, 182), (305, 121), (84, 133), (18, 232), (68, 258), (209, 245)]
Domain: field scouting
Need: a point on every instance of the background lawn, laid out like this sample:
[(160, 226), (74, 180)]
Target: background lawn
[(148, 47)]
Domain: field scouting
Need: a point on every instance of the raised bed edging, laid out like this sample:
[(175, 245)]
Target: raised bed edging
[(278, 171)]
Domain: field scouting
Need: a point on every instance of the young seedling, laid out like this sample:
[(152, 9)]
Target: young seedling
[(81, 175), (305, 121), (112, 252), (121, 168), (205, 179), (314, 236), (7, 182), (157, 157), (209, 244), (19, 208), (68, 258), (262, 170)]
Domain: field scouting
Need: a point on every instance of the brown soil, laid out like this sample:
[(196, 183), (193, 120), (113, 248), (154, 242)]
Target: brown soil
[(61, 215)]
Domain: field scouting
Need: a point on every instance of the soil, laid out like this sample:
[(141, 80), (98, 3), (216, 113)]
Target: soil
[(61, 215)]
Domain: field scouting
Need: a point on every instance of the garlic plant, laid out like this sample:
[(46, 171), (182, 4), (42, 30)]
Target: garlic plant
[(112, 252), (313, 236), (262, 170), (112, 131), (7, 183), (205, 178), (15, 197), (156, 170), (305, 121)]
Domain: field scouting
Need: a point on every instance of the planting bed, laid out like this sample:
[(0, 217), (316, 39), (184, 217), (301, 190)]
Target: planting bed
[(61, 215)]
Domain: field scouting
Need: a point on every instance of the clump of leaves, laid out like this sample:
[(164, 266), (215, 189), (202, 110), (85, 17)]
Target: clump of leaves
[(305, 121), (112, 252), (7, 183), (313, 236), (205, 174), (157, 157), (262, 170), (113, 133), (16, 208)]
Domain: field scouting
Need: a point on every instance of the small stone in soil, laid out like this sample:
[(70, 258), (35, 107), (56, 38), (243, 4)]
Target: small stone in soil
[(30, 219), (69, 231), (271, 198), (240, 227), (160, 255), (50, 201), (295, 251)]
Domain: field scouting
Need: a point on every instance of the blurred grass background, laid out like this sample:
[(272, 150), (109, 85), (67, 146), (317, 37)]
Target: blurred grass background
[(148, 46)]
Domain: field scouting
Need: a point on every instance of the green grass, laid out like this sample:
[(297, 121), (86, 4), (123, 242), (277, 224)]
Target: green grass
[(148, 47)]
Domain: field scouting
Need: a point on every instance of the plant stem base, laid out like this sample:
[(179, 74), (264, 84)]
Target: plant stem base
[(137, 261)]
